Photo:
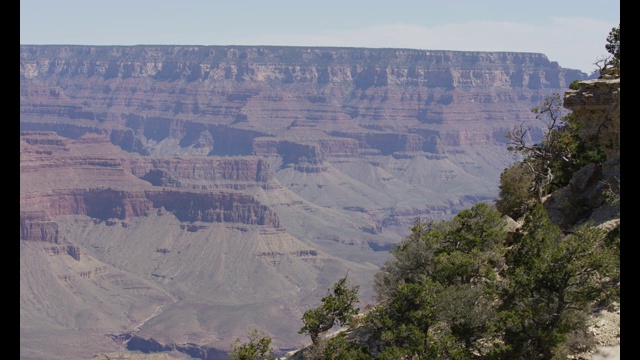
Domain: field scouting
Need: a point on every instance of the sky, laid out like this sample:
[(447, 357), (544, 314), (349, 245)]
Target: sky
[(571, 32)]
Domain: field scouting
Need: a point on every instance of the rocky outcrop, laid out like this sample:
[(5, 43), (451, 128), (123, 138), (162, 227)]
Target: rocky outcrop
[(71, 250), (577, 201), (291, 152), (114, 185), (214, 207), (36, 225), (106, 204), (596, 105), (237, 173), (592, 191)]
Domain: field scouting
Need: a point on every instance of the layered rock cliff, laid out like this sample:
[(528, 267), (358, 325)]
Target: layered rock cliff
[(57, 179), (219, 100), (244, 180)]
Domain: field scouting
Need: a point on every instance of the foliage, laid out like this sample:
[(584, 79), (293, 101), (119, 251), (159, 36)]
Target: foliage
[(552, 162), (461, 250), (574, 85), (613, 48), (412, 259), (452, 291), (258, 347), (539, 158), (471, 249), (337, 308), (515, 196), (401, 323), (435, 294), (552, 280), (339, 348), (610, 65)]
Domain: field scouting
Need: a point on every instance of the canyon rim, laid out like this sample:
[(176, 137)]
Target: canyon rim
[(172, 197)]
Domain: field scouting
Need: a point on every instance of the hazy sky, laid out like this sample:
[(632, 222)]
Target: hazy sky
[(571, 32)]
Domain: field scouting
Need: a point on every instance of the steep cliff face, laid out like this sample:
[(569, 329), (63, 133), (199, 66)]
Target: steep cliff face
[(37, 226), (219, 99), (592, 192), (596, 105), (302, 108), (243, 180), (57, 180)]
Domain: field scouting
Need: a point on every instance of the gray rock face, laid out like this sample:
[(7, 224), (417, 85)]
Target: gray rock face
[(597, 104), (596, 108)]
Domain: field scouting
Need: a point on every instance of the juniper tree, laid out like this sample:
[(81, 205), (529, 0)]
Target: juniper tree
[(258, 347), (336, 308)]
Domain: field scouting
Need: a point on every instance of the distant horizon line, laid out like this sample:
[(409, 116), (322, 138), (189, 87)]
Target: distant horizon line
[(292, 46), (364, 48)]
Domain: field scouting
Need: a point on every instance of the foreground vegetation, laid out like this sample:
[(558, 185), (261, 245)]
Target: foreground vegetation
[(472, 288)]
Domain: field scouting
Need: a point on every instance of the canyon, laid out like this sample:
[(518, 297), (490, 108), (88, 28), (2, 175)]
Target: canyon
[(172, 197)]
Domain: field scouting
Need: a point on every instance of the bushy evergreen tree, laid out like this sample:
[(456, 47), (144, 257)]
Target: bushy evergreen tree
[(258, 347), (551, 280), (613, 47), (548, 165), (337, 308), (436, 293)]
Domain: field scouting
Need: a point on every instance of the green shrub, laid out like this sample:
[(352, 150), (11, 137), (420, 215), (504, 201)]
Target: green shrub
[(337, 308), (516, 194), (258, 347)]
